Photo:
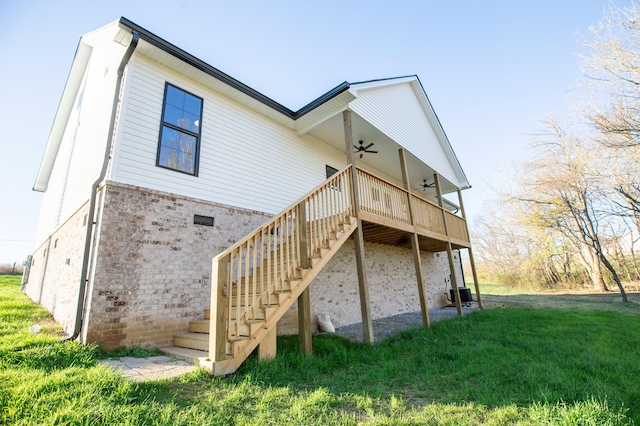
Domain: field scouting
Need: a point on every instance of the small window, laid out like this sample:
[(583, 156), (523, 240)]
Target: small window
[(179, 144), (330, 172), (202, 220)]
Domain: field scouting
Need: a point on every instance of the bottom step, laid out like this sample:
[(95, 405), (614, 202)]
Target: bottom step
[(192, 355)]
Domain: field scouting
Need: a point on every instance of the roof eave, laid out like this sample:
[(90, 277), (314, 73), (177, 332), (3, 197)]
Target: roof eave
[(71, 88)]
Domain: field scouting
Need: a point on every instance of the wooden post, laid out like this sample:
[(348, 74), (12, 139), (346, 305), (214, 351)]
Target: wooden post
[(304, 322), (452, 267), (358, 236), (218, 312), (415, 242), (471, 261), (267, 346)]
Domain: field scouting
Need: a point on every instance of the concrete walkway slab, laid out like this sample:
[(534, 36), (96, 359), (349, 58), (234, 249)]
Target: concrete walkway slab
[(151, 368)]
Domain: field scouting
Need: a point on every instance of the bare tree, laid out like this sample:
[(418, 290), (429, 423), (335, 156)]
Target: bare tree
[(613, 66), (558, 188), (612, 71)]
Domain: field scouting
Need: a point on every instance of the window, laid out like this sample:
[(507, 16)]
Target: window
[(330, 172), (179, 145)]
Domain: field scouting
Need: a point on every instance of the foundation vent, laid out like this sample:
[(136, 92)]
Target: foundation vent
[(202, 220)]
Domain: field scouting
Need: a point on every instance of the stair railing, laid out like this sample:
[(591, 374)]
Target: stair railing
[(248, 275)]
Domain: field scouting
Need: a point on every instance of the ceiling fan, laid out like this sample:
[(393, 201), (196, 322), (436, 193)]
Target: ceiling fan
[(426, 185), (362, 149)]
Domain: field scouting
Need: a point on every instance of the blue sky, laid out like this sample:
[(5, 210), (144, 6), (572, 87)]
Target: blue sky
[(491, 69)]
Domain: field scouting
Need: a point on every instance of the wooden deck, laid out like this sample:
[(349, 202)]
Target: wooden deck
[(384, 212)]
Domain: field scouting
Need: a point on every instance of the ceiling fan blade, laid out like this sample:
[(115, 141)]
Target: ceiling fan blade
[(368, 146), (358, 148), (372, 152)]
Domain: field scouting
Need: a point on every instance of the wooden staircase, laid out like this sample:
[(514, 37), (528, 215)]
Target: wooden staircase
[(257, 280)]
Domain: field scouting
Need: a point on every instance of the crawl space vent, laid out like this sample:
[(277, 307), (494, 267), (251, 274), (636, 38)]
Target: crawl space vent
[(202, 220)]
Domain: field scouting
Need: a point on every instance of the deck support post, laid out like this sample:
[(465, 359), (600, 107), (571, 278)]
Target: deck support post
[(304, 301), (358, 236), (304, 322), (218, 311), (452, 266), (415, 242), (267, 346), (473, 263)]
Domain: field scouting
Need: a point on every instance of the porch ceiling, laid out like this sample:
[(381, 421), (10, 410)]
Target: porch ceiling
[(386, 162), (380, 234)]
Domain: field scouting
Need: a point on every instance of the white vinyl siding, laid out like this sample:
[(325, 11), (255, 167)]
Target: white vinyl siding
[(246, 159), (396, 111), (80, 156)]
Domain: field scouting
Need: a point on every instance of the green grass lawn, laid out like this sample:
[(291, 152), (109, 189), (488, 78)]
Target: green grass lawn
[(504, 366)]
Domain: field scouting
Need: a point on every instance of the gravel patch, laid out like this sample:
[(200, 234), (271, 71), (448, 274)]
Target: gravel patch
[(389, 326)]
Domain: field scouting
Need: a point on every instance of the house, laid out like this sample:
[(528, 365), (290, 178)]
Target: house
[(184, 210)]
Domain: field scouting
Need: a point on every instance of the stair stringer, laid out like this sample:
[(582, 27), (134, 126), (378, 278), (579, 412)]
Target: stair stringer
[(244, 348)]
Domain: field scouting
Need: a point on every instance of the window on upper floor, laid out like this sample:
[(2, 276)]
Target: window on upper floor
[(179, 144)]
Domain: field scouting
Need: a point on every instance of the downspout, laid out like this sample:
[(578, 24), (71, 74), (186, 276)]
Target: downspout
[(135, 37)]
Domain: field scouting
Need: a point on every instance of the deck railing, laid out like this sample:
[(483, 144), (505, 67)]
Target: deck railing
[(382, 198), (389, 201), (248, 275)]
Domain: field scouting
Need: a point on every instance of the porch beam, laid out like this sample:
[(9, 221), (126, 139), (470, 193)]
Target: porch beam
[(358, 236), (452, 267), (473, 264), (415, 243), (304, 322)]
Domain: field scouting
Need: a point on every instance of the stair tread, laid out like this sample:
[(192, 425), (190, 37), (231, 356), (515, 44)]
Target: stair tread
[(184, 353), (191, 335)]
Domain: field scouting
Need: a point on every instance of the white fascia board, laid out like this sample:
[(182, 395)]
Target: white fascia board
[(374, 84), (323, 112), (69, 94)]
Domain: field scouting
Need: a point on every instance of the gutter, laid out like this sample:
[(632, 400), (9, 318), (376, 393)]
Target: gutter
[(84, 280)]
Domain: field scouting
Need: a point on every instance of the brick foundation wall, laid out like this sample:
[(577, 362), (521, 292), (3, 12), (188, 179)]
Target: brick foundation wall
[(392, 285), (54, 278), (153, 267), (151, 270)]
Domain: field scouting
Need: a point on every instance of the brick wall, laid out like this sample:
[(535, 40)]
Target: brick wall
[(153, 267), (151, 270), (54, 279), (392, 285)]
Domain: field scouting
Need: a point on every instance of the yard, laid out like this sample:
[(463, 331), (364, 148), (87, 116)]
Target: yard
[(574, 364)]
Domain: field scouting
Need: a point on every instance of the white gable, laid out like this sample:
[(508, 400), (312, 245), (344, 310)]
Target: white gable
[(404, 114)]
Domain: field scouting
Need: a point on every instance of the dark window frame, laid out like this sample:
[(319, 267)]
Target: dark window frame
[(330, 171), (197, 136)]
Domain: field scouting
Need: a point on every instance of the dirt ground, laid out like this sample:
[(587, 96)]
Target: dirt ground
[(389, 326)]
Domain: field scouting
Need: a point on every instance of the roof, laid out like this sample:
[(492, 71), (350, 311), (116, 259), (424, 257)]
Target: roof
[(334, 100)]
